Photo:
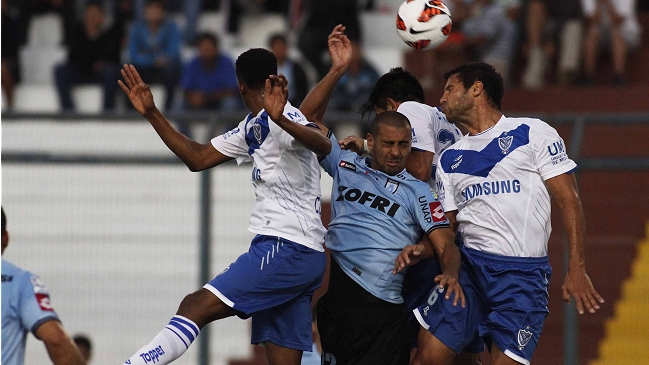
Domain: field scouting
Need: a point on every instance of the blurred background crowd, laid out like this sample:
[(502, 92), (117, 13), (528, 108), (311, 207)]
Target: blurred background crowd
[(187, 48)]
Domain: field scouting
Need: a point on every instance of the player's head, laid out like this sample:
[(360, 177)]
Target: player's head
[(84, 344), (254, 66), (392, 89), (389, 142), (469, 84), (5, 234)]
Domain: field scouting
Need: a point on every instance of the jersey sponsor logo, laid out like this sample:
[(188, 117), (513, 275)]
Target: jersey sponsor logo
[(378, 202), (491, 188), (425, 208), (557, 152), (256, 173), (504, 143), (445, 136), (39, 285), (524, 337), (153, 355), (456, 162), (437, 212), (44, 302), (347, 165), (392, 185), (231, 133), (414, 136)]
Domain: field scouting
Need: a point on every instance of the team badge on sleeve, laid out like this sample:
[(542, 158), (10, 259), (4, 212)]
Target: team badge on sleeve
[(42, 294), (437, 212)]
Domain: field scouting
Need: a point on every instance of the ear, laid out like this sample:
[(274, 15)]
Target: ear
[(477, 88), (391, 105), (370, 141), (242, 88)]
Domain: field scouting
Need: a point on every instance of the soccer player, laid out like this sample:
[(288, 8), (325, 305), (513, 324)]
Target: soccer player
[(495, 185), (26, 307), (431, 133), (377, 209), (274, 281)]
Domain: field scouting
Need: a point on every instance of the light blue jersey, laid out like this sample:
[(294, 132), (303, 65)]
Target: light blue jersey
[(374, 216), (25, 306)]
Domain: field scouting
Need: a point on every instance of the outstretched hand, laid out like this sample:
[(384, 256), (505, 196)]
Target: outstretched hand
[(409, 256), (138, 92), (340, 48), (578, 285), (275, 96)]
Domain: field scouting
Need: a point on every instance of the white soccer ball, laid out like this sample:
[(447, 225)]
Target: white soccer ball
[(423, 24)]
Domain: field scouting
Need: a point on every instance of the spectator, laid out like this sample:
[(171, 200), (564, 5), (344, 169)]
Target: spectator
[(318, 18), (618, 17), (354, 88), (209, 80), (154, 48), (298, 83), (84, 344), (26, 307), (10, 43), (491, 35), (93, 57), (190, 9), (552, 24)]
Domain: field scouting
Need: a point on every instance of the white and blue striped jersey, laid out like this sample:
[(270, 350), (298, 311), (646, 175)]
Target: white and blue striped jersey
[(495, 180), (25, 306), (285, 174), (430, 131), (373, 217)]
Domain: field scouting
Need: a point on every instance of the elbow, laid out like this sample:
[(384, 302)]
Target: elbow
[(194, 166), (326, 148)]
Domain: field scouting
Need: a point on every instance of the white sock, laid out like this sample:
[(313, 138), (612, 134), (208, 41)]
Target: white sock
[(168, 345)]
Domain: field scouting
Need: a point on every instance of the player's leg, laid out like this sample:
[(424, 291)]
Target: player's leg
[(278, 355), (196, 310), (498, 357), (432, 351)]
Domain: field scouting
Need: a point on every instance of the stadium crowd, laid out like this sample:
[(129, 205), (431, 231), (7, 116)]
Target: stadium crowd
[(532, 43)]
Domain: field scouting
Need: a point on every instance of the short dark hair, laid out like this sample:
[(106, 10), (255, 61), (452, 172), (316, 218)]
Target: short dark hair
[(209, 37), (276, 37), (399, 85), (491, 80), (4, 220), (254, 66), (94, 3), (160, 3), (83, 340), (391, 118)]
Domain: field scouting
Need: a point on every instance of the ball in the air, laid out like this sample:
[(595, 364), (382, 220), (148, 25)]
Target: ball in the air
[(423, 24)]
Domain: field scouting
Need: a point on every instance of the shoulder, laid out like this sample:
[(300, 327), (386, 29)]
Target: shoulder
[(535, 126)]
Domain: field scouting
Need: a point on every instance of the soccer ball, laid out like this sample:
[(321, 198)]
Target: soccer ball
[(423, 24)]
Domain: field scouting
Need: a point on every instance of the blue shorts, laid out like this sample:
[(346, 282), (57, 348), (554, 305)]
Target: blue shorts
[(273, 282), (507, 302)]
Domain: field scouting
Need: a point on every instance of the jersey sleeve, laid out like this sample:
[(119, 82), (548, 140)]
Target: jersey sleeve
[(445, 193), (330, 162), (423, 135), (233, 143), (429, 212), (284, 138), (549, 151), (35, 305)]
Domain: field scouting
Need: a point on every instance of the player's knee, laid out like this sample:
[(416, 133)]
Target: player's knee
[(203, 307)]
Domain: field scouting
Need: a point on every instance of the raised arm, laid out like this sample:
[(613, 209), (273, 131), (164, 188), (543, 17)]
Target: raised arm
[(340, 50), (275, 97), (59, 345), (196, 156), (576, 283)]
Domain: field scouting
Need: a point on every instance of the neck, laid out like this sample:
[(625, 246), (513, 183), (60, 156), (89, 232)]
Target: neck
[(480, 119), (255, 102)]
